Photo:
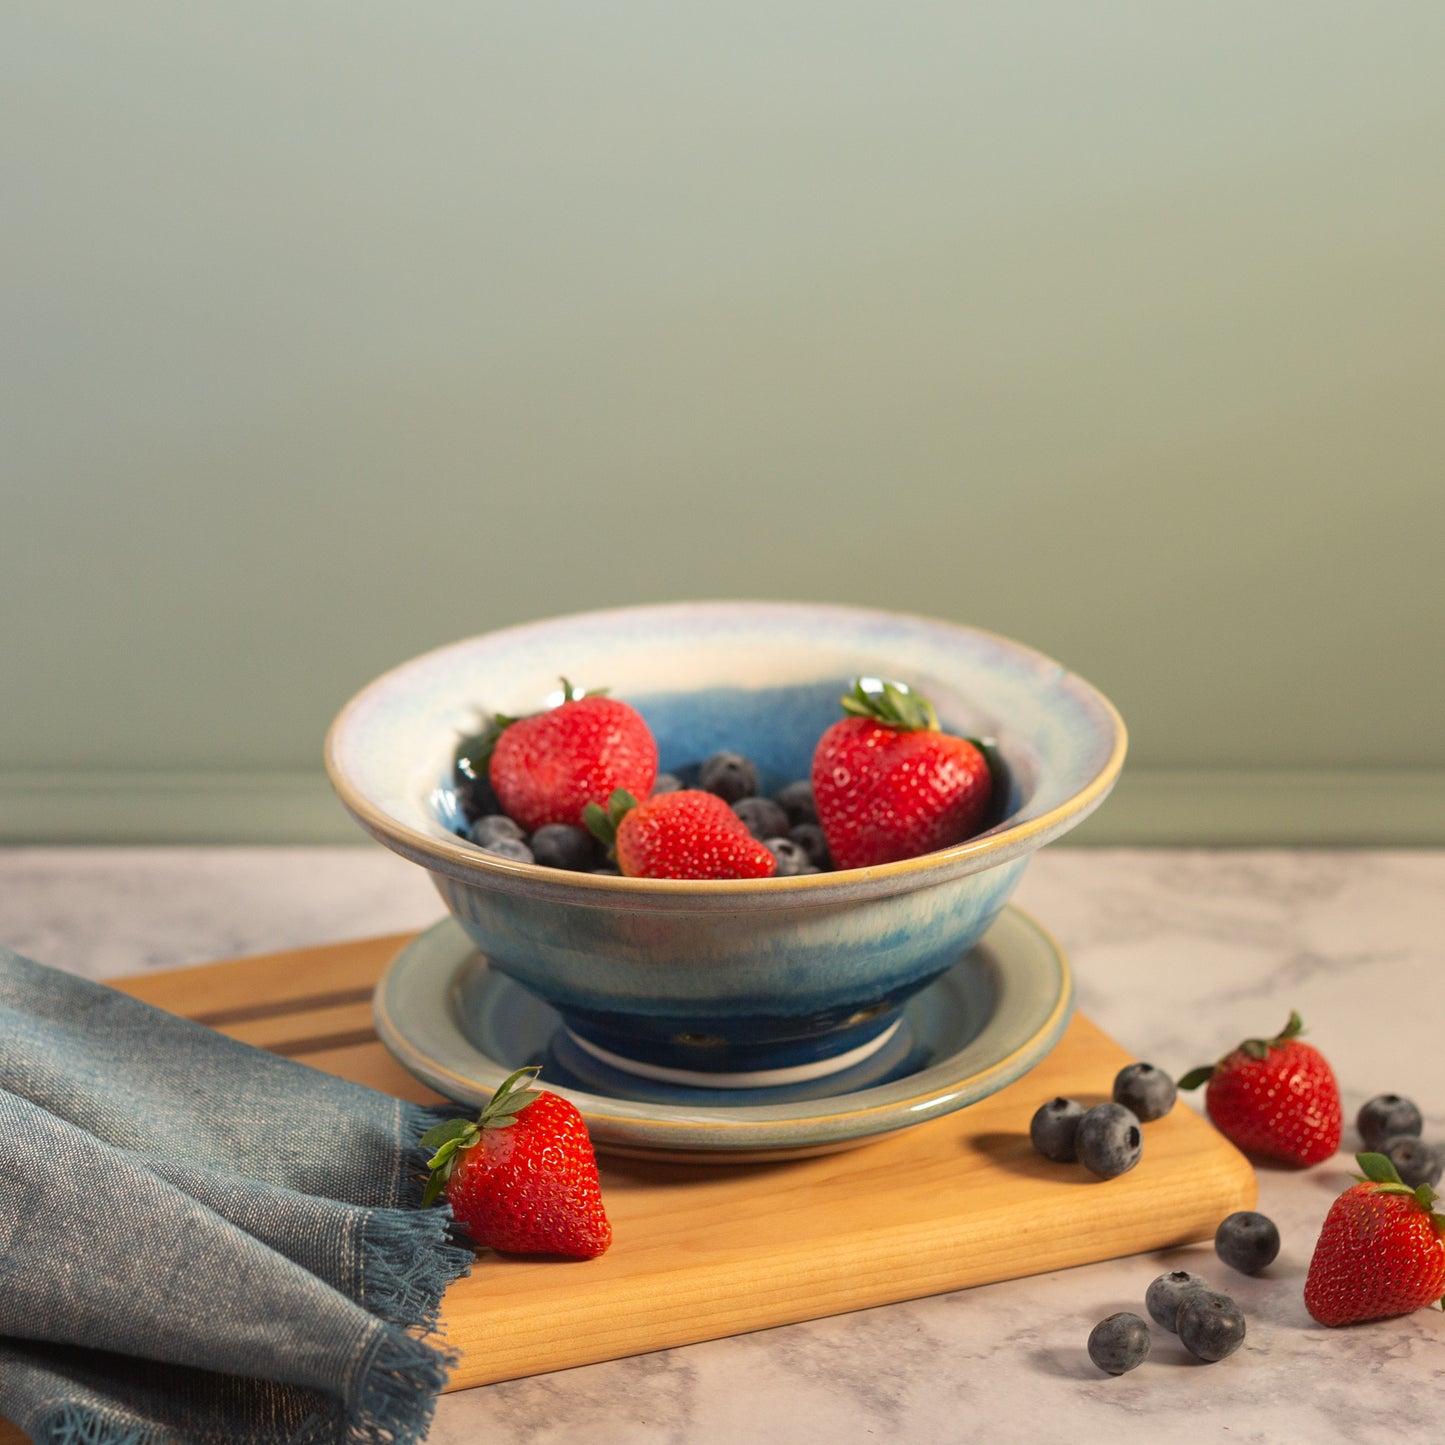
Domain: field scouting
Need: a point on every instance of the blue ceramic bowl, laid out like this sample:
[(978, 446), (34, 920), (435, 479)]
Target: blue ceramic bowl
[(748, 982)]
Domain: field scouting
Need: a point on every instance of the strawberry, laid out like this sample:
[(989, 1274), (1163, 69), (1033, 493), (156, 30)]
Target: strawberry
[(889, 784), (686, 834), (547, 767), (521, 1177), (1381, 1251), (1274, 1097)]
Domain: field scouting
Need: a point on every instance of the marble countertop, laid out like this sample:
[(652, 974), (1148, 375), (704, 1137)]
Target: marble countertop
[(1177, 953)]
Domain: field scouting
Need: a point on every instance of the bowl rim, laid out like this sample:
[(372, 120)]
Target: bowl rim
[(465, 862)]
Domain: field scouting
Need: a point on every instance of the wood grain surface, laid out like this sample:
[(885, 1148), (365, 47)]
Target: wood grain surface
[(703, 1251)]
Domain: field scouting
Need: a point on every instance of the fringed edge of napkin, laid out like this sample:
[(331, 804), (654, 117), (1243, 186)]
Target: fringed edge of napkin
[(390, 1400), (81, 1425), (408, 1261), (409, 1256), (396, 1391)]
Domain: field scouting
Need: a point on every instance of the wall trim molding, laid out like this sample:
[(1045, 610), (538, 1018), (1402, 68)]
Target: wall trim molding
[(1161, 806)]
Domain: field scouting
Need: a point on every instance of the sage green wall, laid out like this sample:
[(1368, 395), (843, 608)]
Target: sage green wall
[(330, 333)]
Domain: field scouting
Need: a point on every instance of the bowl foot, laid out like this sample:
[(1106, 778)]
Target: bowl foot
[(742, 1068)]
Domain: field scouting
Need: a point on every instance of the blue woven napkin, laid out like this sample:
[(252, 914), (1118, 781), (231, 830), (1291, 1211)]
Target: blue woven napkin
[(201, 1241)]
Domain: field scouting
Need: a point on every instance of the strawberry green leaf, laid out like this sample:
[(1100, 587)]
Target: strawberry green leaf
[(452, 1138), (1292, 1030), (1195, 1077), (440, 1134), (601, 822), (436, 1182), (893, 705), (1377, 1169), (511, 1097), (596, 821), (571, 694), (1258, 1049), (440, 1162)]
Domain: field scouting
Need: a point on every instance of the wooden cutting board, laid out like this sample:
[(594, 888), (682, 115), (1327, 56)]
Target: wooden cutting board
[(702, 1251)]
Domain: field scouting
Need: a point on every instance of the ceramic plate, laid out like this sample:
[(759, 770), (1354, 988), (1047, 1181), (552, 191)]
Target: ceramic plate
[(461, 1027)]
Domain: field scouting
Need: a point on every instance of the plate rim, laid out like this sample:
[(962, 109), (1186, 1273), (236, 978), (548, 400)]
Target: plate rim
[(653, 1130)]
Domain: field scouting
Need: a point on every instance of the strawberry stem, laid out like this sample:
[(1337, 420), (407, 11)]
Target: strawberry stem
[(1259, 1048), (1254, 1048), (571, 694), (512, 1095)]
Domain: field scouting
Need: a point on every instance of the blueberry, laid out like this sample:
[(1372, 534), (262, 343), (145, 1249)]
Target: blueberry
[(666, 783), (1247, 1241), (796, 800), (487, 830), (1211, 1325), (1146, 1091), (513, 848), (809, 837), (1110, 1140), (765, 818), (792, 861), (730, 775), (1415, 1161), (1386, 1117), (1119, 1343), (1167, 1293), (563, 845), (1054, 1128)]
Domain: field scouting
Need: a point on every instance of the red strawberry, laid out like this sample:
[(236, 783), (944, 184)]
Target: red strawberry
[(686, 834), (1381, 1251), (547, 767), (889, 784), (1274, 1097), (522, 1177)]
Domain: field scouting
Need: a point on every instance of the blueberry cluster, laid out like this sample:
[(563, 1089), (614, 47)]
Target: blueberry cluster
[(1210, 1325), (1107, 1139), (785, 823), (554, 845), (1391, 1124)]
